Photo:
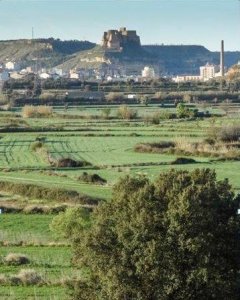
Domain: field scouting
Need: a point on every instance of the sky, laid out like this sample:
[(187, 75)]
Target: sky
[(201, 22)]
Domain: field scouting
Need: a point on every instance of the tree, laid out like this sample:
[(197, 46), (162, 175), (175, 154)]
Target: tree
[(37, 90), (175, 238), (106, 112), (182, 111)]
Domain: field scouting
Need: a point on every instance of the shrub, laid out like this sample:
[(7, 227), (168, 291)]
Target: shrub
[(92, 178), (44, 110), (69, 163), (68, 223), (30, 111), (48, 96), (3, 279), (183, 160), (114, 96), (29, 277), (183, 112), (36, 146), (154, 147), (124, 112), (155, 118), (229, 133), (187, 98), (16, 259), (106, 112)]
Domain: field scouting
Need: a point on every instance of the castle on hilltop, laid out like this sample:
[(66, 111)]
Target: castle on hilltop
[(118, 39)]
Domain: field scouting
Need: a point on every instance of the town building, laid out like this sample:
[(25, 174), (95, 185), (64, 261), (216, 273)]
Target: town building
[(208, 71), (45, 75), (12, 66), (186, 78), (148, 72)]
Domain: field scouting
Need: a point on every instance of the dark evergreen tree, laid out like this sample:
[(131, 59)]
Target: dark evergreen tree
[(174, 239)]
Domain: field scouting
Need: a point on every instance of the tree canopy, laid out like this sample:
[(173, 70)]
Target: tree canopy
[(176, 238)]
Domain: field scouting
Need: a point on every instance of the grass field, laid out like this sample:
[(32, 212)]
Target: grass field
[(108, 147)]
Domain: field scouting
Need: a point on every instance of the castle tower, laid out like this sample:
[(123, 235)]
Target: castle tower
[(118, 39)]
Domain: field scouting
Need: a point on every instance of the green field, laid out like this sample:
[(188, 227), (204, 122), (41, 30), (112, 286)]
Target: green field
[(108, 147)]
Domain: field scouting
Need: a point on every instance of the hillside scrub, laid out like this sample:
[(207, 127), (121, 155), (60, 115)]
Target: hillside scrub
[(30, 111)]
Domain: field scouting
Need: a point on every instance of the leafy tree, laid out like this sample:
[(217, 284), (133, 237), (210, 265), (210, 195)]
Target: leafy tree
[(184, 112), (173, 239), (106, 112), (71, 222)]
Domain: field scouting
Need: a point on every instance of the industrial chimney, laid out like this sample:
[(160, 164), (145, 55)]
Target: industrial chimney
[(222, 59)]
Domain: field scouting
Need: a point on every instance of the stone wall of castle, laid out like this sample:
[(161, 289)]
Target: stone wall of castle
[(118, 39)]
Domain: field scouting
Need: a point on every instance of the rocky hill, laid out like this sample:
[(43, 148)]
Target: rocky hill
[(129, 59), (43, 52), (166, 60)]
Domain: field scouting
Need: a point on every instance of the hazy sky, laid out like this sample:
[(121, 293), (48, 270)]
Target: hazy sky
[(203, 22)]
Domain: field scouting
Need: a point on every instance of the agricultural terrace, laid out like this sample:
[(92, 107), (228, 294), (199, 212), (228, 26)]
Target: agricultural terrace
[(72, 157)]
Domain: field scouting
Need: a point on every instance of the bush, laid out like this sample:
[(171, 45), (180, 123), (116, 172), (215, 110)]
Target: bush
[(106, 112), (16, 259), (30, 111), (184, 112), (124, 112), (68, 223), (183, 160), (36, 146), (114, 96), (92, 178), (69, 163), (154, 147), (230, 133), (29, 277), (48, 96), (3, 279)]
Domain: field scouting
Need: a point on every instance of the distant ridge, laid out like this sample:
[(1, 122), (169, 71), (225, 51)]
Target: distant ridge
[(166, 59)]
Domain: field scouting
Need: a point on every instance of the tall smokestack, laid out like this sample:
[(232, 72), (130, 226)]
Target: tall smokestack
[(222, 59)]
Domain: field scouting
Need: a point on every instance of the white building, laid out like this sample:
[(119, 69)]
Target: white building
[(12, 66), (45, 75), (186, 78), (74, 75), (148, 72), (208, 71), (16, 75)]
